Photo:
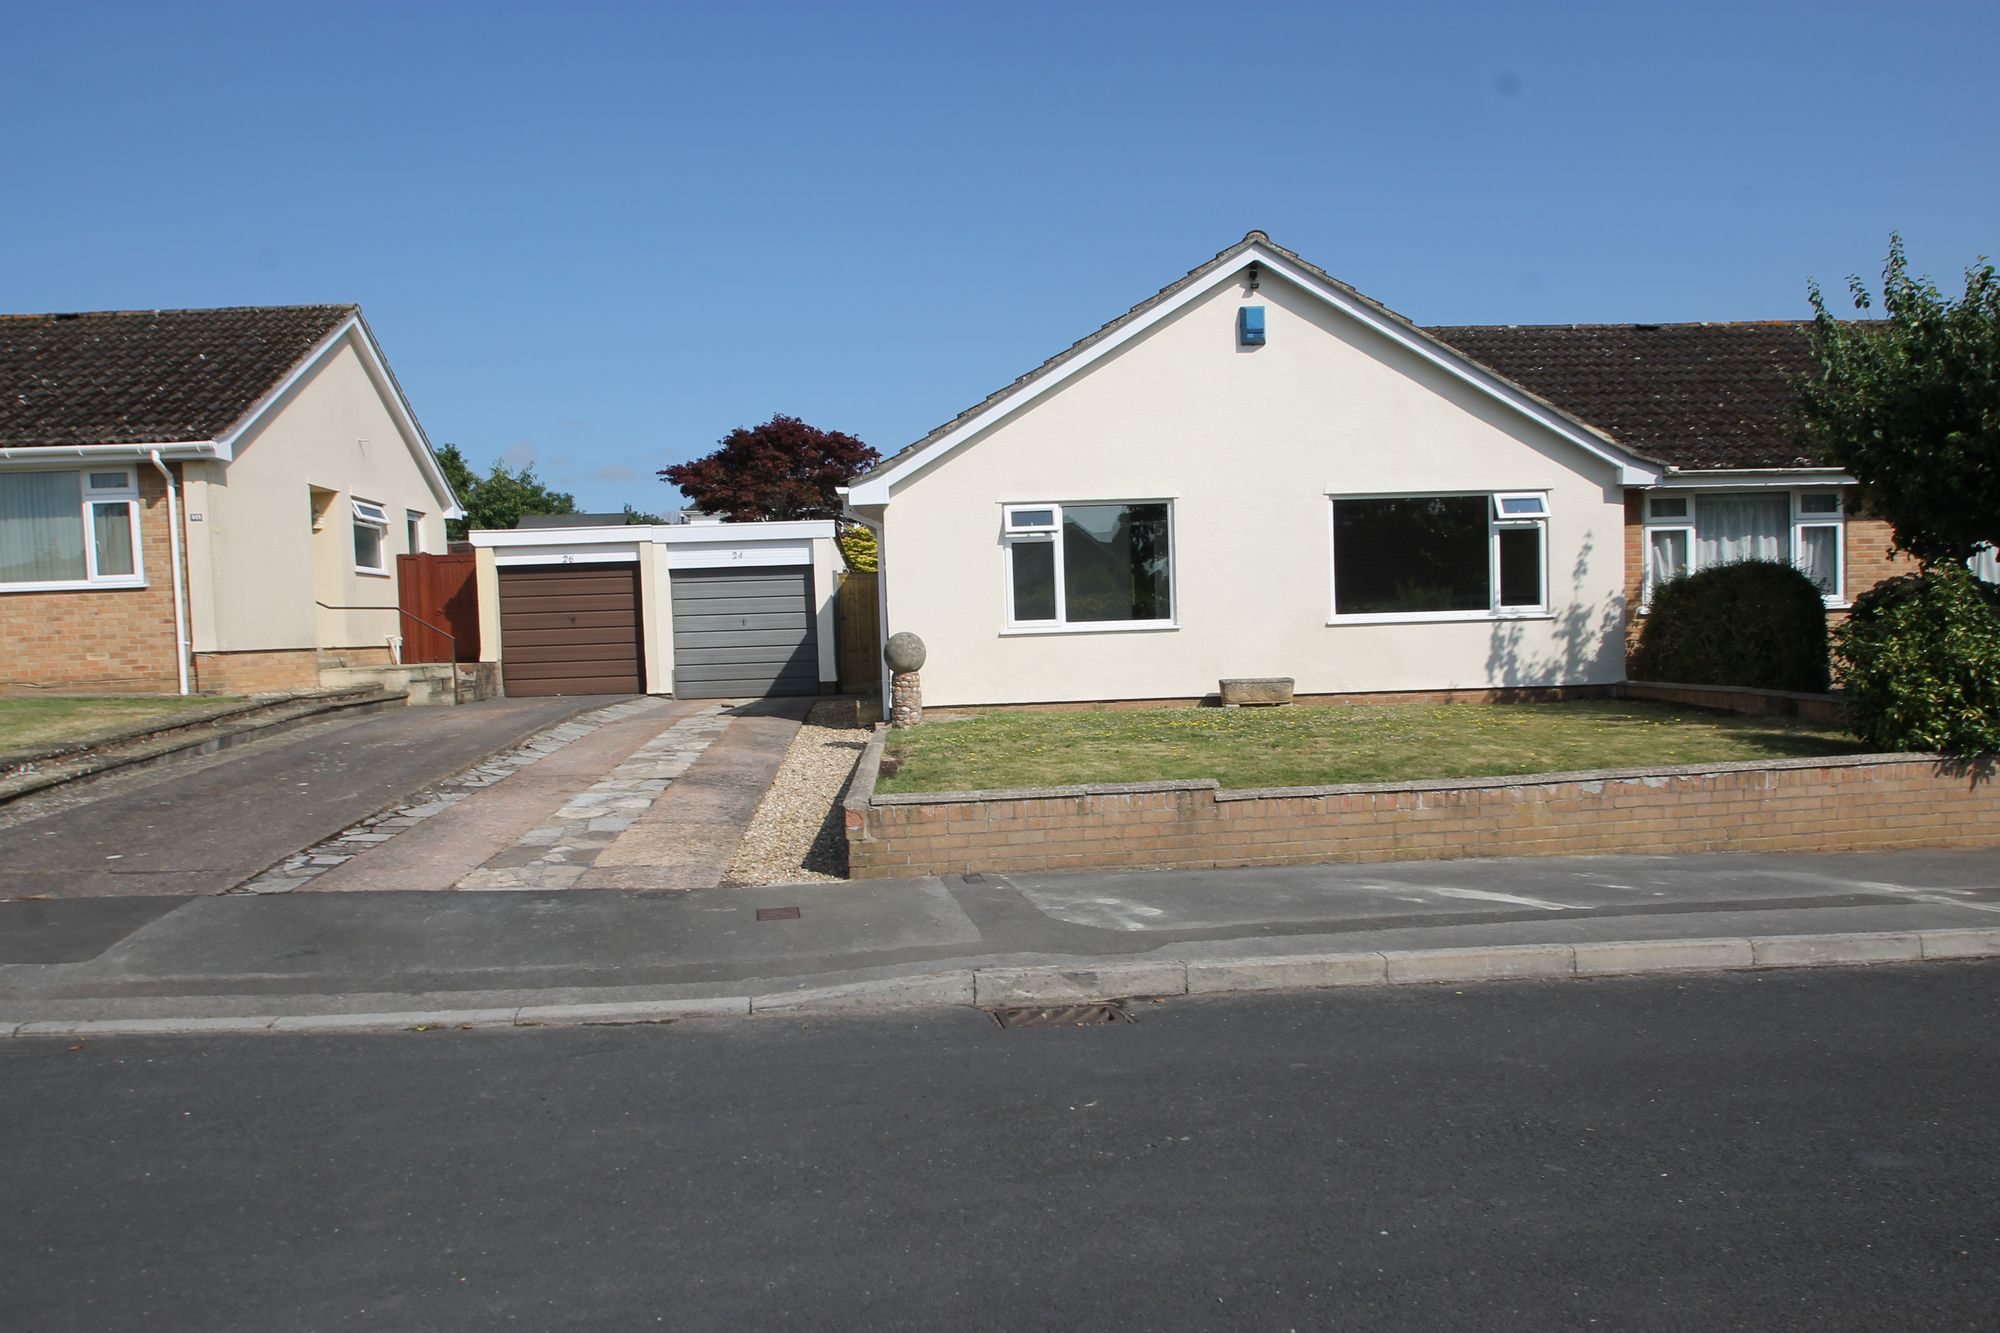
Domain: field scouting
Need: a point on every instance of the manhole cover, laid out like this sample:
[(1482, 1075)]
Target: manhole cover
[(777, 914), (1060, 1016)]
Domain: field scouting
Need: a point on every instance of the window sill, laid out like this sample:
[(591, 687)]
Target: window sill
[(1438, 617), (1099, 627), (76, 585), (372, 573)]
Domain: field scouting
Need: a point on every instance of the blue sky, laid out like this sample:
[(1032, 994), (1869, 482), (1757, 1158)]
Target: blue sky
[(599, 237)]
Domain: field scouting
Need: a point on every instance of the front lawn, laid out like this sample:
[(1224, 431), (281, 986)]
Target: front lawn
[(28, 723), (1311, 745)]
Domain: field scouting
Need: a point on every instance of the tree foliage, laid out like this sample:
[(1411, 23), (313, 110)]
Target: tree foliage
[(1755, 623), (1910, 405), (857, 545), (1920, 661), (500, 498), (779, 470)]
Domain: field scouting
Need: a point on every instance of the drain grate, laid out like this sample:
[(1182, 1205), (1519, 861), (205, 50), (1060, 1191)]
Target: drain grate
[(777, 914), (1061, 1015)]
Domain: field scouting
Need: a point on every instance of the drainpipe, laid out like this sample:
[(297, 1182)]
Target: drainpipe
[(180, 587)]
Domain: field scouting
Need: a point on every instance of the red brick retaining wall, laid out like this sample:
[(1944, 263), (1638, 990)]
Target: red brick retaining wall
[(1866, 803)]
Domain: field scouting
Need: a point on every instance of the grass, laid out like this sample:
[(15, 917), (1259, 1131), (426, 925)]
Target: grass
[(26, 723), (1317, 745)]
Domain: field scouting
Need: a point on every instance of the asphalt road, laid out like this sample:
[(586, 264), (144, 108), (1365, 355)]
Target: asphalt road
[(1807, 1150)]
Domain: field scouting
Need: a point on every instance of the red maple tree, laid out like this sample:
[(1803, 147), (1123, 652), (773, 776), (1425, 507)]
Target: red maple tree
[(781, 469)]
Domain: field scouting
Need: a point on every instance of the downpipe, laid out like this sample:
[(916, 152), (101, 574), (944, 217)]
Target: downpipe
[(180, 584)]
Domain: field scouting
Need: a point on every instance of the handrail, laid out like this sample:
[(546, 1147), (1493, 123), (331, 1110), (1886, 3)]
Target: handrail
[(455, 699)]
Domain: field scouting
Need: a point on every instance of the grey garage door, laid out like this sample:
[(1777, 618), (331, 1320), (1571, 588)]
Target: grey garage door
[(740, 633), (570, 629)]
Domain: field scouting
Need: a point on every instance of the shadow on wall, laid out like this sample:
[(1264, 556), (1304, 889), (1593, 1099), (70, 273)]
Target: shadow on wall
[(1589, 639)]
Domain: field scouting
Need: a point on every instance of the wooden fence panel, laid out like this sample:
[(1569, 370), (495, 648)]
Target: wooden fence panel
[(441, 590), (860, 634)]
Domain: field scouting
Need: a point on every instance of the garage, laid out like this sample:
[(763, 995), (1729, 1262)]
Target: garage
[(744, 632), (571, 629)]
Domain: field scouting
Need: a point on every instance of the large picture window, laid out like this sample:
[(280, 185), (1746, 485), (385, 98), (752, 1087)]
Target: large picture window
[(1449, 556), (69, 529), (1090, 565), (1698, 530)]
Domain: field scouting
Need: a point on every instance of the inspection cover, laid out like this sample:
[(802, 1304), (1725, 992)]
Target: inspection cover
[(1060, 1015)]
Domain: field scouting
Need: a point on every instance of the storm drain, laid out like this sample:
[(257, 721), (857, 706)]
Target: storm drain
[(1060, 1015)]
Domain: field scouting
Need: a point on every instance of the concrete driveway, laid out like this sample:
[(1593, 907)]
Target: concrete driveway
[(210, 826)]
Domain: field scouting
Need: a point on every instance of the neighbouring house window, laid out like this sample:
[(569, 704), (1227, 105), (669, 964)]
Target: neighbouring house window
[(1696, 531), (1441, 555), (1985, 564), (71, 529), (413, 531), (1089, 564), (371, 533)]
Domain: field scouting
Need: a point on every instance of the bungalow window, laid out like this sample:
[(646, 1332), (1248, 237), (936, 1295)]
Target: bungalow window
[(1097, 565), (371, 538), (1447, 556), (413, 531), (69, 529), (1685, 533)]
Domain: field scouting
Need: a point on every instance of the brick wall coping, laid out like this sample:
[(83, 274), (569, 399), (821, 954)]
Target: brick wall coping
[(862, 795), (1626, 688)]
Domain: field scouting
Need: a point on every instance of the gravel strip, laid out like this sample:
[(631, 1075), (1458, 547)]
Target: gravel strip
[(797, 833)]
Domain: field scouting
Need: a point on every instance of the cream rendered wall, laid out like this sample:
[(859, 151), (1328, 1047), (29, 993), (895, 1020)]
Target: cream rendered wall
[(1248, 444), (263, 570)]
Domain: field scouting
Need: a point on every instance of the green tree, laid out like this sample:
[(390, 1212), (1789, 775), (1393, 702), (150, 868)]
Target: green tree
[(640, 516), (1910, 405), (500, 498)]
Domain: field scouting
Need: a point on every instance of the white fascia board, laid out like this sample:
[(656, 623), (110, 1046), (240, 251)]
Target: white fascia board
[(724, 534), (356, 329), (42, 455), (1632, 471), (1750, 479)]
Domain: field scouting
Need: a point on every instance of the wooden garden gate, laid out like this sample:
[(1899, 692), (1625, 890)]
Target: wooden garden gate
[(439, 597)]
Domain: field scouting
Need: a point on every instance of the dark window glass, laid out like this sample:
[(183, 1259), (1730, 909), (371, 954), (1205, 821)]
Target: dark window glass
[(1115, 563), (1410, 555), (1520, 566), (1034, 580)]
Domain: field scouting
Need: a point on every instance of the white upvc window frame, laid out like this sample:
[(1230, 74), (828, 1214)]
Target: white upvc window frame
[(1039, 523), (1496, 523), (1833, 519), (370, 514), (413, 530), (125, 492)]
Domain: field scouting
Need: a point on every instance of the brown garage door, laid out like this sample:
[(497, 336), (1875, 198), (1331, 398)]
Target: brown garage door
[(570, 629)]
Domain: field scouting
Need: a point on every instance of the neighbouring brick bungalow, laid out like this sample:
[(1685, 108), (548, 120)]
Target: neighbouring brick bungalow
[(1260, 471), (204, 499)]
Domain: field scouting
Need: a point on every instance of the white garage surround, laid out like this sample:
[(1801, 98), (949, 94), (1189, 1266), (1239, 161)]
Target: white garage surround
[(659, 550)]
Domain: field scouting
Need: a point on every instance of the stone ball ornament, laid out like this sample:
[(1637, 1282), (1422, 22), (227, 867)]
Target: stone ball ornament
[(905, 652)]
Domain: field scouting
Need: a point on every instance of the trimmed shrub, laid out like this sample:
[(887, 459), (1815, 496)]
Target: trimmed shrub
[(857, 545), (1920, 660), (1757, 623)]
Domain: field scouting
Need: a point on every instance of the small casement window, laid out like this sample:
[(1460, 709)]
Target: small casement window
[(413, 532), (371, 533), (1097, 565), (1449, 556), (1688, 533), (69, 529)]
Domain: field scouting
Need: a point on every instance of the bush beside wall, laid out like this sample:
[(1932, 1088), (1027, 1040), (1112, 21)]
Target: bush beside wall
[(1757, 623)]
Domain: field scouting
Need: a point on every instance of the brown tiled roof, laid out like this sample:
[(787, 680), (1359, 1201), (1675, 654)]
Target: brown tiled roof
[(147, 376), (1695, 396)]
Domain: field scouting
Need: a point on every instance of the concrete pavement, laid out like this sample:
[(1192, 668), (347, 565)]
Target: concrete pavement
[(299, 958)]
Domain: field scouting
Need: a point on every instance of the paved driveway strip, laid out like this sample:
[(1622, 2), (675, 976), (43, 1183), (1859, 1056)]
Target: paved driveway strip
[(209, 829)]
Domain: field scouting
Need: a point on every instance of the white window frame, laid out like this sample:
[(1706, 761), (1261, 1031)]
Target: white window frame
[(1022, 525), (367, 513), (1835, 519), (1495, 525), (413, 530), (126, 492)]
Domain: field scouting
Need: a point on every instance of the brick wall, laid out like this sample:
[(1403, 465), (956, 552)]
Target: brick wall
[(1868, 803), (257, 672), (113, 640)]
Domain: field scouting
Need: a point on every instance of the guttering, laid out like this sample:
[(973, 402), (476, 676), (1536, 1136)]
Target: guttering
[(1738, 478), (185, 451), (180, 587)]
